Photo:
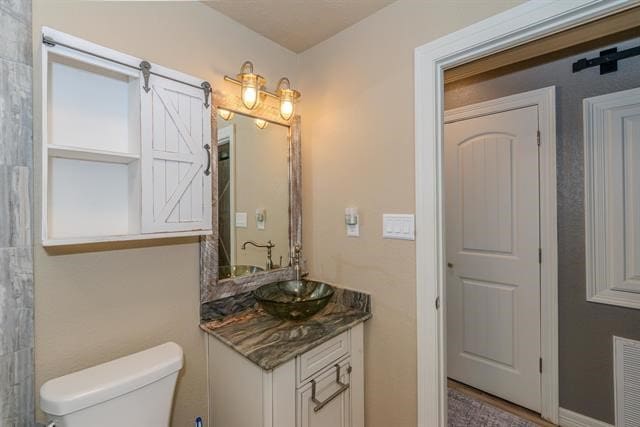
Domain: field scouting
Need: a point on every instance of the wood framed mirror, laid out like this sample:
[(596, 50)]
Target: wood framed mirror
[(236, 211)]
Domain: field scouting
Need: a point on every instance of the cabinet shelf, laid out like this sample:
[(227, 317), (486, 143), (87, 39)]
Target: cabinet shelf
[(89, 154), (73, 241)]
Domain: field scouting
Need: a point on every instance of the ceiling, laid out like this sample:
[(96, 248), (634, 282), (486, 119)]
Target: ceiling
[(297, 24)]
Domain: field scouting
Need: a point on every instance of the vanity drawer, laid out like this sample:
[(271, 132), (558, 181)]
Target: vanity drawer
[(325, 400), (322, 356)]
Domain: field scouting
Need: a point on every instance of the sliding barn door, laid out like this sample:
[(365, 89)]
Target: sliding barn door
[(176, 158)]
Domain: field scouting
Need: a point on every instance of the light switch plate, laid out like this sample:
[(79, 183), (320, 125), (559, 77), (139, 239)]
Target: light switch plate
[(241, 219), (398, 226)]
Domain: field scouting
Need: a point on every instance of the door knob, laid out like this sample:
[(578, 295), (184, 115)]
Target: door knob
[(450, 265)]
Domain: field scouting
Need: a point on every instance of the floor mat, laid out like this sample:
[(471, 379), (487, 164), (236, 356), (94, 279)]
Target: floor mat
[(466, 411)]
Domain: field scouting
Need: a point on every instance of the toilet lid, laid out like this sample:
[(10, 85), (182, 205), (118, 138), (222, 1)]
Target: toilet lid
[(100, 383)]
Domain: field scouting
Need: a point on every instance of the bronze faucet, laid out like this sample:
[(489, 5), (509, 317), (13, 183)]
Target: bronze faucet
[(270, 245)]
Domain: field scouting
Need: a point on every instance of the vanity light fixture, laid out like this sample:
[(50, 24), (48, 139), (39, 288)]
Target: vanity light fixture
[(226, 114), (261, 123), (288, 97), (251, 85), (253, 91)]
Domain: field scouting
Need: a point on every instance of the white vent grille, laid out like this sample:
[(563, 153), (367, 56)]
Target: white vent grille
[(626, 367)]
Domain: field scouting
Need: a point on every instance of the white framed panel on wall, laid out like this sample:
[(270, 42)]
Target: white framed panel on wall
[(612, 197)]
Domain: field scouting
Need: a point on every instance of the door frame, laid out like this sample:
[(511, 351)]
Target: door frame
[(527, 22), (545, 100), (227, 135)]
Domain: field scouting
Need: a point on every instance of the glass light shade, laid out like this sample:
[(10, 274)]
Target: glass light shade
[(249, 95), (251, 84), (261, 123), (226, 114), (286, 104), (287, 97)]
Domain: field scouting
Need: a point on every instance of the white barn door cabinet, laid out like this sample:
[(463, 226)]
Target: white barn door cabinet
[(126, 146)]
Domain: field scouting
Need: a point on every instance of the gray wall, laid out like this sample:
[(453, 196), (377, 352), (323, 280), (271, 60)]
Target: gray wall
[(586, 329), (16, 260)]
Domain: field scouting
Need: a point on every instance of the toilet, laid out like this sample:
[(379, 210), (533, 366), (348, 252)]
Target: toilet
[(133, 391)]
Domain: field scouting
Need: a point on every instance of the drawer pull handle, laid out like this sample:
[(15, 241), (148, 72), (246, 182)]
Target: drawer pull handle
[(342, 389)]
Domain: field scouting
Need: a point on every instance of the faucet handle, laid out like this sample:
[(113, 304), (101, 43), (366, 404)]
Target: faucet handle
[(294, 254)]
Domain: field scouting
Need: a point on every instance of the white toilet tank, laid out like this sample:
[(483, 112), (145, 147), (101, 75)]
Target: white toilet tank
[(133, 391)]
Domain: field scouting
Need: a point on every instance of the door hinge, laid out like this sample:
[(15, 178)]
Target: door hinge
[(437, 303), (539, 255), (541, 365), (538, 136)]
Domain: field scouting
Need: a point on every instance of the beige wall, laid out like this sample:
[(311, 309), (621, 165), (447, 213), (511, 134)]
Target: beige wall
[(358, 150), (95, 306)]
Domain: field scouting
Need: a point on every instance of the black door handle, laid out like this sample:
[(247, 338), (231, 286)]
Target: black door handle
[(207, 171)]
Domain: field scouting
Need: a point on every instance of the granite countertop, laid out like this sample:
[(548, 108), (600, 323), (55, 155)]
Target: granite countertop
[(267, 341)]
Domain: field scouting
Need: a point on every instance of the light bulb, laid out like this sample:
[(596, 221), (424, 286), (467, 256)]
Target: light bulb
[(251, 85), (286, 108), (249, 96), (226, 114), (287, 97), (261, 123)]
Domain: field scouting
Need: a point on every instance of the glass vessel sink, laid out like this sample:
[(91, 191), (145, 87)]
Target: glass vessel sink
[(231, 271), (293, 299)]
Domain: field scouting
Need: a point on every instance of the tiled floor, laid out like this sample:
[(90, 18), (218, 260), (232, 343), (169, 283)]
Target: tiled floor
[(529, 416)]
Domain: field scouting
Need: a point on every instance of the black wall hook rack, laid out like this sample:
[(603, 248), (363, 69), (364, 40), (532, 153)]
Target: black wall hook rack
[(608, 60)]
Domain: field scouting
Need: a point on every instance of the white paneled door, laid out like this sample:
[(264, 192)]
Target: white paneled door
[(493, 240), (176, 162)]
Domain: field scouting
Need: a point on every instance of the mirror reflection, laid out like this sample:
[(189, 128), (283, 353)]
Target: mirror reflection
[(253, 196)]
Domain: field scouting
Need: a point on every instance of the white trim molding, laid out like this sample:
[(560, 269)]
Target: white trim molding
[(545, 100), (524, 23), (573, 419), (612, 220)]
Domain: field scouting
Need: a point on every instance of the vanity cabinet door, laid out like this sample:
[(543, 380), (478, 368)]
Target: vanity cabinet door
[(337, 411), (176, 158)]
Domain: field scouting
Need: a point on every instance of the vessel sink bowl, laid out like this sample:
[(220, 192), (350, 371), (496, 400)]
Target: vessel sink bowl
[(293, 299), (233, 271)]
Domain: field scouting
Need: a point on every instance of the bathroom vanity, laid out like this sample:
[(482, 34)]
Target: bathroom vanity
[(273, 373), (264, 371)]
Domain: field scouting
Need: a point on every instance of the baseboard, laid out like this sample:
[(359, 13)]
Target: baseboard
[(573, 419)]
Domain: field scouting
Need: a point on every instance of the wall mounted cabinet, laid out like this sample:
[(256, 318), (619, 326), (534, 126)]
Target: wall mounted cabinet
[(126, 153)]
